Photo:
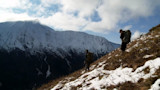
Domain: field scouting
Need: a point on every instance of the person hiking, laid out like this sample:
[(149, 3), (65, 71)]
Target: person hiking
[(125, 37), (88, 60)]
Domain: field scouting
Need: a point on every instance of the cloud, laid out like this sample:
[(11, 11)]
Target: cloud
[(48, 3), (64, 21), (78, 14), (84, 7), (9, 4), (113, 12), (11, 16), (136, 35), (127, 27)]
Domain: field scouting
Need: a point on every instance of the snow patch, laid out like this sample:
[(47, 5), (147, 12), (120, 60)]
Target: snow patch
[(134, 46), (109, 57), (156, 85), (116, 55), (144, 37), (104, 78), (39, 72), (48, 72), (157, 36), (143, 49), (93, 66), (147, 56)]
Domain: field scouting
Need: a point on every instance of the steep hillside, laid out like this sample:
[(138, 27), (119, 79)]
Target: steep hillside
[(136, 69)]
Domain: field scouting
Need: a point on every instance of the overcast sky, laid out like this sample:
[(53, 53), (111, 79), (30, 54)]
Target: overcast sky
[(98, 17)]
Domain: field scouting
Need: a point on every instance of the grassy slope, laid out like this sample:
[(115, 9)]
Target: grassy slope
[(133, 59)]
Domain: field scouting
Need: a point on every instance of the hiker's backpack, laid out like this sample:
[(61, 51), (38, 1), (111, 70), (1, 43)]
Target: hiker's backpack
[(89, 57), (127, 36)]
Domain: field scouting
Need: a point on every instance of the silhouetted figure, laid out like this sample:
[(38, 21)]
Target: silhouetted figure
[(88, 60), (125, 37)]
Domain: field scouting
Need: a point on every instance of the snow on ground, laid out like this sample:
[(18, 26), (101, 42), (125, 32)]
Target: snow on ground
[(157, 36), (100, 78), (156, 85), (144, 38), (48, 72), (146, 48), (39, 71), (131, 48), (147, 56)]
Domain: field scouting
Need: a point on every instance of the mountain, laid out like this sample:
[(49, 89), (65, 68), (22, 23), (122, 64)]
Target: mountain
[(32, 54), (34, 37), (138, 68)]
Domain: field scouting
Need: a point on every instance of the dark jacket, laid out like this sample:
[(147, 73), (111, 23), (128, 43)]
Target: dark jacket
[(122, 35), (89, 57)]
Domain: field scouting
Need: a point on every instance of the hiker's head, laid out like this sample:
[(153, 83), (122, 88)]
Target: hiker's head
[(86, 50), (120, 31)]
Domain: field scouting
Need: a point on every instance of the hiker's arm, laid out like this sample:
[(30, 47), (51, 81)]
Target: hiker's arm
[(122, 35), (86, 55)]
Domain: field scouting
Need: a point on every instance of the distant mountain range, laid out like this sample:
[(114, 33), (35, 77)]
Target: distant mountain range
[(32, 53)]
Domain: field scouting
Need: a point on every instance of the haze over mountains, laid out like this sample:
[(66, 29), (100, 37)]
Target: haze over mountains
[(32, 54)]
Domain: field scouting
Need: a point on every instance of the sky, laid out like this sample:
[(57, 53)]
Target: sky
[(97, 17)]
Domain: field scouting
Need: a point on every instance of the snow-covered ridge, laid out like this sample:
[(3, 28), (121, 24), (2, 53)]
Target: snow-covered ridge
[(32, 36)]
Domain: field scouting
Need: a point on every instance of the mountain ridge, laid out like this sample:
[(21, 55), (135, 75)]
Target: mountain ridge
[(33, 35)]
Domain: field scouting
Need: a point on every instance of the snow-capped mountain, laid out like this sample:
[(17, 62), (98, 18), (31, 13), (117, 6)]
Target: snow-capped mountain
[(33, 36), (32, 53)]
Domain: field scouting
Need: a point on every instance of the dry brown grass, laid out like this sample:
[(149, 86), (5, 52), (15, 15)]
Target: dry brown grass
[(65, 79), (154, 28), (125, 86), (146, 70)]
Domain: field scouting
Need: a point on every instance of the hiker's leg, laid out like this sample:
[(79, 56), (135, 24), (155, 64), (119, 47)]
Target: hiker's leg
[(123, 46), (85, 65), (88, 67)]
